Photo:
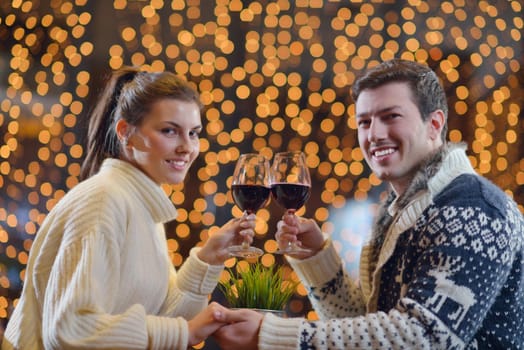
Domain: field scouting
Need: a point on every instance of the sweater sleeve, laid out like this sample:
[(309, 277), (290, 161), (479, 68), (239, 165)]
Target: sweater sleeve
[(343, 323), (331, 291), (190, 287), (278, 333), (393, 330), (79, 304), (455, 288)]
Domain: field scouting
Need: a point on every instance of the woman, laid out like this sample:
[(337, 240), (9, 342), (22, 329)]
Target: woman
[(99, 274)]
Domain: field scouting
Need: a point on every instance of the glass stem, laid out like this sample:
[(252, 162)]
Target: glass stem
[(245, 243), (291, 245)]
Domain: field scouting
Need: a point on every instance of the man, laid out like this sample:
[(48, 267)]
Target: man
[(444, 268)]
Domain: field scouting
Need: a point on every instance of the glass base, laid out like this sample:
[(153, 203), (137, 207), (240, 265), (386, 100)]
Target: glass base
[(295, 250), (279, 313), (243, 251)]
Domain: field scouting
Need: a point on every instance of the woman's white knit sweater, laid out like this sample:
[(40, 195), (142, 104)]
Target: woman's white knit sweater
[(99, 274)]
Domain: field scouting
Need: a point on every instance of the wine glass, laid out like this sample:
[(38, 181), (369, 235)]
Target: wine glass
[(250, 189), (290, 187)]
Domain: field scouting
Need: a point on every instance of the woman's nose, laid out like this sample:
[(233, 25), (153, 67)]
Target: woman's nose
[(183, 145)]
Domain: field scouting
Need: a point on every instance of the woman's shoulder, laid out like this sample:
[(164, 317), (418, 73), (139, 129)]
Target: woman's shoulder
[(99, 189), (99, 199)]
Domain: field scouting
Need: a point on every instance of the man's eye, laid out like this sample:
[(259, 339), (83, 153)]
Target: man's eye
[(363, 123)]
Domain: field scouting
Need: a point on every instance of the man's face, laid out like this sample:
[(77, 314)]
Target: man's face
[(392, 135)]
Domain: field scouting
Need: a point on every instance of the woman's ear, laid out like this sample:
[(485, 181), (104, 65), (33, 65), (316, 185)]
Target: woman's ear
[(437, 120), (122, 129)]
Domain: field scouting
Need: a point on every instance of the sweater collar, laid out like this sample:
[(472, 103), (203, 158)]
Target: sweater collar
[(434, 174), (454, 164), (144, 188)]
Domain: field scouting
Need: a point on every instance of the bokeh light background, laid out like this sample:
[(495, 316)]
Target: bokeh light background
[(273, 75)]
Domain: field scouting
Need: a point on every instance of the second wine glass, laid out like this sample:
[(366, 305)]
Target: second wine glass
[(290, 186), (250, 189)]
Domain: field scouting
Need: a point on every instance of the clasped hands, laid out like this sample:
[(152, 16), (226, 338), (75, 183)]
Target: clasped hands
[(232, 329), (238, 329)]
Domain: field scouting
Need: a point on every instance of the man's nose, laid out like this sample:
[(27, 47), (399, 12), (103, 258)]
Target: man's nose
[(377, 130)]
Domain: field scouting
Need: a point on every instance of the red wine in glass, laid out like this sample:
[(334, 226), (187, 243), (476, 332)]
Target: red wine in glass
[(250, 198), (250, 190), (290, 187), (290, 196)]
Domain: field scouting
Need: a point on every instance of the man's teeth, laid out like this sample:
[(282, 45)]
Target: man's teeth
[(384, 152)]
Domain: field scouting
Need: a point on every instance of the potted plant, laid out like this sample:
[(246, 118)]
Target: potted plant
[(256, 286)]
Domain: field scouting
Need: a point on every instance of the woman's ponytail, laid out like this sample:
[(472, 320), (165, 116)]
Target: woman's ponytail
[(102, 141)]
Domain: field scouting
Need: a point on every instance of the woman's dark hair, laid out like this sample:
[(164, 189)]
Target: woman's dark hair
[(129, 95), (425, 87)]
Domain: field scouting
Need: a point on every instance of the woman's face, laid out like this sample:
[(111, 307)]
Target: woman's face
[(167, 141)]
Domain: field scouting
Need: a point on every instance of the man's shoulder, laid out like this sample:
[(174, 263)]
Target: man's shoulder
[(473, 190)]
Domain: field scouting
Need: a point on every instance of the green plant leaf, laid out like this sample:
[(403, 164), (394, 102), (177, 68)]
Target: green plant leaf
[(258, 287)]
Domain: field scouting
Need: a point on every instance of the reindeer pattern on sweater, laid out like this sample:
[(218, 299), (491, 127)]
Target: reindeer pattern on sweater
[(447, 272)]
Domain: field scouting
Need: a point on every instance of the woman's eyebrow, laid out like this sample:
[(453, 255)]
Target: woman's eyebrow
[(176, 125)]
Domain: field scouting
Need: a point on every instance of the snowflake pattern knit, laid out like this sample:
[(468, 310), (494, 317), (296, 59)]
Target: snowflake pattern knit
[(453, 280)]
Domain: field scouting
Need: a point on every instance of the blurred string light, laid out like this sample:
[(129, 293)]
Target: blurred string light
[(273, 75)]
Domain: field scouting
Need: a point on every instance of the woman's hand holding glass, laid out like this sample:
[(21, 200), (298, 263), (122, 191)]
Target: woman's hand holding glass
[(236, 231), (250, 189)]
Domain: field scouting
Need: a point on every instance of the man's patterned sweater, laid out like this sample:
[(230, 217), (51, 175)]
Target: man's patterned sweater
[(444, 270)]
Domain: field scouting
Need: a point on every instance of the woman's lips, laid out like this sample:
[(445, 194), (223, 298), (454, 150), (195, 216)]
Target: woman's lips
[(177, 164)]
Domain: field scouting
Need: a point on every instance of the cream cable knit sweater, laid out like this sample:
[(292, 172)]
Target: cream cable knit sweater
[(99, 275)]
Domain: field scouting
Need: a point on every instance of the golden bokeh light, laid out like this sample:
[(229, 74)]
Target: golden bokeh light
[(272, 76)]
